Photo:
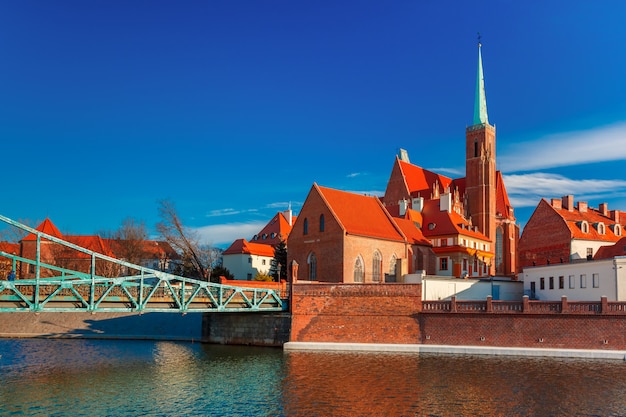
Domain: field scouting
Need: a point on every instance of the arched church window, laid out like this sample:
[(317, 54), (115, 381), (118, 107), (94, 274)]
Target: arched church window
[(312, 261), (376, 266), (321, 222), (305, 227), (358, 270)]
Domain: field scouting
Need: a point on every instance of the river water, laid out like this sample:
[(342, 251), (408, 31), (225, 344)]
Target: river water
[(82, 377)]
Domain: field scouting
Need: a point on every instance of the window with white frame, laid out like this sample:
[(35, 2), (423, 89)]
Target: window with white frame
[(572, 282), (596, 280), (583, 280)]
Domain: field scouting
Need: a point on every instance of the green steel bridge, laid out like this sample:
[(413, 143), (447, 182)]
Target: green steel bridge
[(140, 289)]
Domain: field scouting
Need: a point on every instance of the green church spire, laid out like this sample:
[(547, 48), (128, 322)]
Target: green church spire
[(480, 104)]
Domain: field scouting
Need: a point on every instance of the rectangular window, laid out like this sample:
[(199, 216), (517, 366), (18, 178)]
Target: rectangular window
[(542, 283), (583, 281), (249, 260), (572, 282), (249, 277), (263, 262), (561, 282), (589, 254), (551, 283), (596, 280), (443, 264), (444, 242)]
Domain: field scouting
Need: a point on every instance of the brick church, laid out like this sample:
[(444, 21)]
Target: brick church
[(426, 222)]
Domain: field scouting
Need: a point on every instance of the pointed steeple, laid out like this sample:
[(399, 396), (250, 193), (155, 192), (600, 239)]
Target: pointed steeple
[(480, 103)]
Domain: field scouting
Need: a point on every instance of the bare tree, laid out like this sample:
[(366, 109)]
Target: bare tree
[(181, 238), (130, 239)]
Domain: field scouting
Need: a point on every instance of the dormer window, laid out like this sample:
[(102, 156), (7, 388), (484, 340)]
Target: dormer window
[(600, 228), (584, 226), (617, 229)]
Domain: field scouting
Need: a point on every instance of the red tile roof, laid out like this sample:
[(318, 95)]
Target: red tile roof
[(574, 220), (360, 215), (413, 234), (420, 181), (242, 246), (611, 251), (274, 230), (445, 223), (46, 227), (12, 248)]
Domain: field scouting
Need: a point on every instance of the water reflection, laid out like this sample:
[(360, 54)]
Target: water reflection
[(406, 385), (130, 378)]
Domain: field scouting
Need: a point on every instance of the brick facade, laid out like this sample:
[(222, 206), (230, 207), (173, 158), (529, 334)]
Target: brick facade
[(356, 313), (394, 313)]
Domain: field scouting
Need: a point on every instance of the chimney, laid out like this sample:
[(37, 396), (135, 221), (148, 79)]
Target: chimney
[(568, 202), (418, 204), (556, 203), (445, 202), (604, 209), (402, 206), (288, 216), (582, 206), (614, 215)]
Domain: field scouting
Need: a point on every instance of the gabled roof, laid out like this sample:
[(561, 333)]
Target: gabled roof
[(444, 223), (503, 205), (46, 227), (93, 243), (242, 246), (360, 215), (611, 251), (413, 234), (274, 230), (420, 181), (574, 219)]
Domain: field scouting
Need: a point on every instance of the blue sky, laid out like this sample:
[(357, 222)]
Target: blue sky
[(232, 109)]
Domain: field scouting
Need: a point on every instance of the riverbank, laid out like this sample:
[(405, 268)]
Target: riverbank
[(149, 326), (451, 350)]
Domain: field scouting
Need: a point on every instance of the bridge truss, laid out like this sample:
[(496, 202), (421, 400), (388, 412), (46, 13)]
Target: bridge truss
[(140, 289)]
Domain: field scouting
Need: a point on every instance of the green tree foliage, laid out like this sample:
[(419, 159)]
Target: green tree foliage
[(278, 264), (263, 277), (220, 271)]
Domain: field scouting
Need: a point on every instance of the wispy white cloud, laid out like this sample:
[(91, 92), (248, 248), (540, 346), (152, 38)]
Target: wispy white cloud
[(455, 172), (223, 235), (354, 174), (606, 143), (228, 212), (525, 190)]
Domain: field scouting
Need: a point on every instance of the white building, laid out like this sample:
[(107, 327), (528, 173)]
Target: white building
[(584, 281)]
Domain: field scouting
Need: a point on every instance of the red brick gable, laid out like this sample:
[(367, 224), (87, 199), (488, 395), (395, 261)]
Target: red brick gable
[(242, 246), (574, 218), (360, 215), (503, 206)]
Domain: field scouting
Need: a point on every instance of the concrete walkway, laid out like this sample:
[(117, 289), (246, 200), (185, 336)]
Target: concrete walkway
[(456, 350)]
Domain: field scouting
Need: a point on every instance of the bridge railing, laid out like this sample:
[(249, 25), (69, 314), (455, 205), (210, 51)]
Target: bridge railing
[(526, 306)]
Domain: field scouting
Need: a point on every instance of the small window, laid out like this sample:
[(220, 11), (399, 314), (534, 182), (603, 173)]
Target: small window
[(264, 236), (583, 280), (305, 227), (249, 277), (561, 282), (443, 264), (273, 235), (589, 254), (542, 283), (584, 226), (551, 283), (617, 230), (444, 242), (321, 222), (249, 260), (596, 280), (572, 282), (601, 228), (263, 262), (255, 237)]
